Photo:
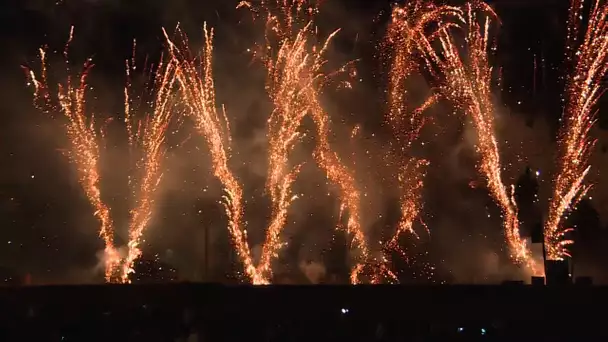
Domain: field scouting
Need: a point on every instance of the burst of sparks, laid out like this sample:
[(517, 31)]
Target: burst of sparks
[(589, 59), (84, 151), (195, 77), (466, 82), (150, 136)]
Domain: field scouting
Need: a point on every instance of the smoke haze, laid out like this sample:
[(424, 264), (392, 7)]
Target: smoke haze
[(60, 244)]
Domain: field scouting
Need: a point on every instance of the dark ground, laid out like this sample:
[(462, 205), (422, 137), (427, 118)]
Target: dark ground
[(293, 313)]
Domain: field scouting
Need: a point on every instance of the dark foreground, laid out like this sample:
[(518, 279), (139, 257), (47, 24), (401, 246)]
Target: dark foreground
[(206, 312)]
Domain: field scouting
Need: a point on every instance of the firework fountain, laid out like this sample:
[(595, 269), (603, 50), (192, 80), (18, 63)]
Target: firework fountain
[(296, 79), (589, 62), (84, 138), (467, 83), (149, 134), (409, 23), (84, 152)]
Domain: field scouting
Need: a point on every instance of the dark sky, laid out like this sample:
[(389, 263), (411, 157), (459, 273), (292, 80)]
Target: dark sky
[(47, 226)]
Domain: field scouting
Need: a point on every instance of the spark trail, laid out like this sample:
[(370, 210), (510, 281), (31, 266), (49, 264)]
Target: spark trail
[(284, 86), (341, 176), (150, 136), (197, 87), (408, 24), (466, 82), (407, 29), (410, 177), (306, 78), (84, 151), (336, 171), (290, 108), (589, 62)]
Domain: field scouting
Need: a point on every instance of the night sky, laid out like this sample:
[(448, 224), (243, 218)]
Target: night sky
[(48, 230)]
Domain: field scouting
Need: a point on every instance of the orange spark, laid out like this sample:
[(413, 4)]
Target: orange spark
[(408, 24), (150, 136), (411, 174), (84, 151), (195, 77), (296, 78), (466, 82), (290, 107), (589, 60), (339, 174)]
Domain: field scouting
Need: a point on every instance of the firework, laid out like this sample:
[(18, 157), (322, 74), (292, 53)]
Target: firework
[(84, 152), (411, 174), (467, 82), (337, 172), (342, 177), (408, 24), (295, 80), (150, 138), (195, 77), (290, 108), (589, 61), (84, 138)]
